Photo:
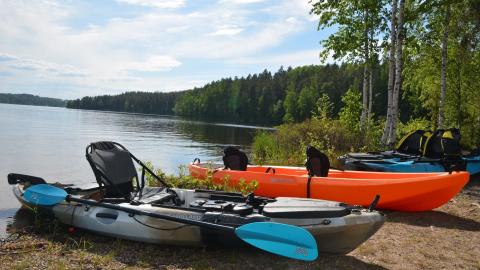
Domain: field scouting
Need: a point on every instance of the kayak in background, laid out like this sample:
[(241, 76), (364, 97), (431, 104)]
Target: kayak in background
[(418, 151), (470, 163)]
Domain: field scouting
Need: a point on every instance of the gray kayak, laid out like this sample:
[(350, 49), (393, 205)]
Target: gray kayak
[(337, 227)]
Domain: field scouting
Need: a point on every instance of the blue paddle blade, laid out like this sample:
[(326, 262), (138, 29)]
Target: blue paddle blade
[(281, 239), (44, 195)]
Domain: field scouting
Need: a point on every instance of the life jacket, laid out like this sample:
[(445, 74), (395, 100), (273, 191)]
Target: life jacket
[(234, 159), (317, 162), (414, 142), (444, 143)]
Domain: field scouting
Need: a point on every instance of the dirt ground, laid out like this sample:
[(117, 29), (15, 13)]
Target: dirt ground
[(447, 238)]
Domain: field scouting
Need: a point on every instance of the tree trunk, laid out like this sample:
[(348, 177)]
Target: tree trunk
[(459, 119), (443, 87), (478, 128), (391, 72), (398, 75), (365, 74), (370, 94), (364, 97), (370, 80)]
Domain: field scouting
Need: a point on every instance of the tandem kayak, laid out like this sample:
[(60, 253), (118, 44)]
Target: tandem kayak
[(398, 191), (336, 227)]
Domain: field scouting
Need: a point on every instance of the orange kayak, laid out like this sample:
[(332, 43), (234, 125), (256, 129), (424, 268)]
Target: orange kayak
[(398, 191)]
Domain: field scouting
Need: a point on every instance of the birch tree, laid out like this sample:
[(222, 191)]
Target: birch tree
[(398, 74), (391, 73), (356, 39)]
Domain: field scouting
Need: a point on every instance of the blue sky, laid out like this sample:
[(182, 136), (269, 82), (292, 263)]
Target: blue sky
[(70, 49)]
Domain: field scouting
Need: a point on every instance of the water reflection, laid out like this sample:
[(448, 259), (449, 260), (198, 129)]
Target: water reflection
[(50, 142)]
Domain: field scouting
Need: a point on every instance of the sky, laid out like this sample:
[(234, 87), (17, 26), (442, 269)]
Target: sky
[(70, 49)]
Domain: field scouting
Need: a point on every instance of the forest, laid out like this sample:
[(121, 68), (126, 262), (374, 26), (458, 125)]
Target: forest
[(404, 65), (27, 99), (288, 95), (137, 102)]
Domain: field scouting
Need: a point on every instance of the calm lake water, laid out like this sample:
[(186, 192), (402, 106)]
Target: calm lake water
[(50, 143)]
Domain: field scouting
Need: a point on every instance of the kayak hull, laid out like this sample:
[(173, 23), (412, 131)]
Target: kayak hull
[(338, 234), (398, 191)]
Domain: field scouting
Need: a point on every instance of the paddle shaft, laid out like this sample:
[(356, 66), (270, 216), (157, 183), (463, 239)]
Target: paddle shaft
[(155, 215)]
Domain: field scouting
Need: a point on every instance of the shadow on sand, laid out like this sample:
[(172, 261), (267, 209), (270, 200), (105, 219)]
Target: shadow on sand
[(434, 218)]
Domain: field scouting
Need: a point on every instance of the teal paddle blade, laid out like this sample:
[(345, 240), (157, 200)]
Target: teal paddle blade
[(44, 195), (281, 239)]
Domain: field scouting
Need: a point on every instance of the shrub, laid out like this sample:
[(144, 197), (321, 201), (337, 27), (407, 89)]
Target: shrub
[(184, 180), (287, 145)]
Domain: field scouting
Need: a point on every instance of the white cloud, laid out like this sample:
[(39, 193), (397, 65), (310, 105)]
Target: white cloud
[(40, 44), (13, 63), (243, 1), (156, 3), (306, 57), (227, 30), (155, 63)]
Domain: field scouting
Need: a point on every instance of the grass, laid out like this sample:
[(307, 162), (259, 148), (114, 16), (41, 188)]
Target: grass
[(447, 238)]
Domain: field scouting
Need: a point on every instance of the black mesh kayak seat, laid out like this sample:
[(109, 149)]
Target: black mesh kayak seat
[(317, 162), (444, 143), (414, 142), (235, 159), (305, 208), (114, 169)]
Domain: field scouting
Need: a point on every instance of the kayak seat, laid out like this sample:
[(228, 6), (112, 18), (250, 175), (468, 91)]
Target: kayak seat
[(114, 169), (235, 159), (413, 143), (303, 208), (317, 162)]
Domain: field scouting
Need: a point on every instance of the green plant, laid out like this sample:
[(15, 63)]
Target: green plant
[(184, 180), (334, 137)]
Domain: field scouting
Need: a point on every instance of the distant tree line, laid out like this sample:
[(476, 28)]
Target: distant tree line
[(137, 102), (288, 95), (27, 99)]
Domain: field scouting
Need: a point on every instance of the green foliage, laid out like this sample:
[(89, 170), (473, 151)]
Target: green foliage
[(184, 180), (264, 147), (287, 145), (352, 109), (423, 66), (352, 18), (137, 102), (27, 99), (290, 106), (265, 98), (324, 107), (411, 125)]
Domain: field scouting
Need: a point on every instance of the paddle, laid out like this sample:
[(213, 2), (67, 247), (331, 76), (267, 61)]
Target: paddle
[(281, 239)]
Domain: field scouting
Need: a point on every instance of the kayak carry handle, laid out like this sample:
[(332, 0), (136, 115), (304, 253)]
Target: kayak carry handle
[(195, 160), (374, 203), (15, 178), (270, 169)]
